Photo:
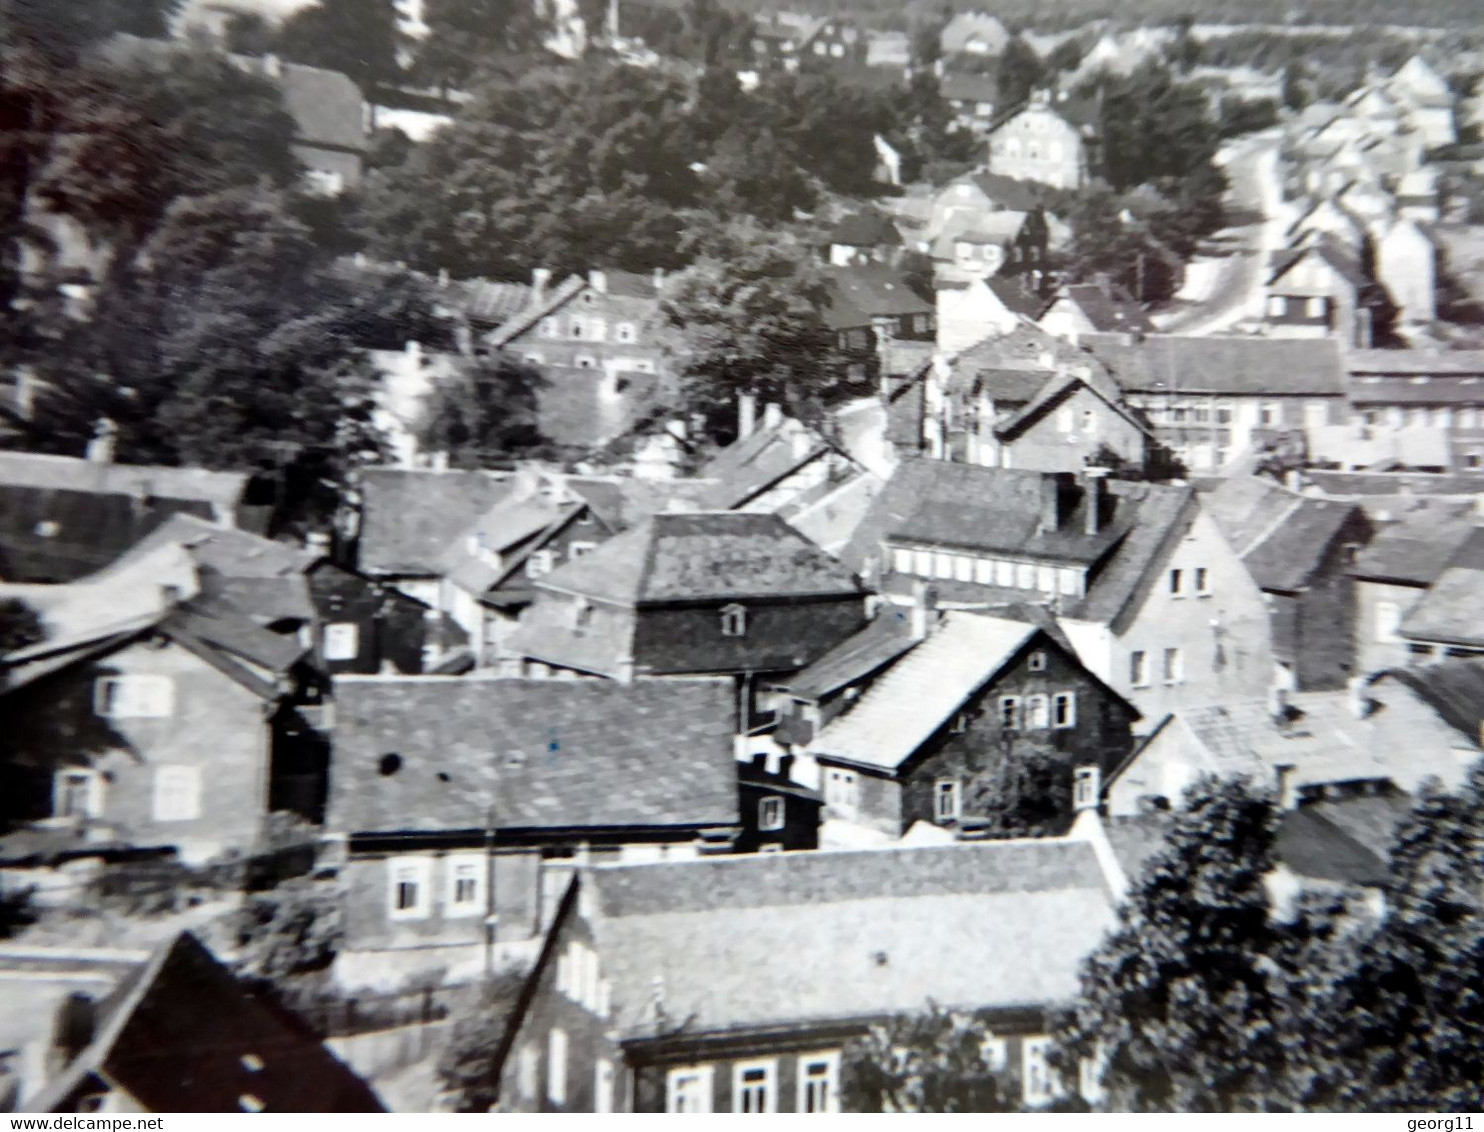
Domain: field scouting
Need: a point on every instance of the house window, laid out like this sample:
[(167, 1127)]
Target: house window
[(1010, 713), (603, 1086), (995, 1052), (753, 1088), (1037, 712), (1064, 709), (841, 791), (597, 329), (578, 549), (586, 361), (1277, 306), (534, 358), (1315, 307), (901, 561), (624, 332), (177, 793), (1271, 413), (408, 893), (575, 328), (733, 621), (1025, 576), (818, 1088), (770, 813), (77, 793), (539, 563), (963, 568), (689, 1089), (1174, 667), (1085, 785), (1046, 579), (943, 565), (1138, 669), (134, 697), (527, 1066), (1177, 578), (548, 328), (923, 563), (1069, 582), (342, 640), (1089, 422), (582, 615), (1202, 581), (984, 571), (1038, 1085), (945, 800), (556, 1066), (1388, 621), (1004, 573), (1037, 661), (1065, 420), (466, 877)]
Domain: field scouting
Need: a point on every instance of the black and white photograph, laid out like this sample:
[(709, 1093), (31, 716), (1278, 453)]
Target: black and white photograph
[(741, 556)]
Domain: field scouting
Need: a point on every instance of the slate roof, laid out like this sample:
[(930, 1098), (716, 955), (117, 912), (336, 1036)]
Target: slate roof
[(959, 87), (492, 302), (326, 106), (922, 690), (1454, 688), (549, 754), (1449, 611), (865, 229), (1415, 551), (1052, 393), (870, 934), (1223, 366), (750, 466), (1007, 192), (1016, 297), (706, 555), (1318, 842), (860, 294), (1345, 263), (515, 519), (69, 473), (1281, 537), (224, 636), (1109, 311), (885, 638), (1375, 390), (408, 517), (183, 1035)]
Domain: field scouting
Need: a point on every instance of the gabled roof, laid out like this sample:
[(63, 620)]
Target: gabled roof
[(546, 754), (960, 87), (492, 302), (408, 516), (1007, 192), (326, 106), (1325, 248), (182, 1034), (1414, 551), (1416, 363), (747, 467), (967, 27), (1111, 310), (997, 228), (554, 299), (1055, 391), (1312, 844), (154, 482), (870, 933), (1448, 612), (860, 294), (1282, 537), (1230, 366), (1454, 688), (864, 229), (885, 638), (1016, 296), (707, 555), (521, 517), (922, 690)]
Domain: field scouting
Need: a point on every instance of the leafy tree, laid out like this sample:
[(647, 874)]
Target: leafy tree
[(1029, 794), (1179, 1002), (357, 37), (466, 1068), (466, 35), (1153, 129), (486, 415), (930, 1062), (16, 911), (1247, 116), (20, 626), (61, 30), (1020, 72), (293, 929)]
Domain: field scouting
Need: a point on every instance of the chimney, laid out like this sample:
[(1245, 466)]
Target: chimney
[(746, 415), (659, 279), (773, 416), (598, 281), (1278, 704), (318, 542), (1283, 781), (799, 442), (1095, 498), (272, 66), (1360, 703), (1294, 479), (540, 280), (101, 447), (1054, 490), (924, 609), (443, 277), (786, 767)]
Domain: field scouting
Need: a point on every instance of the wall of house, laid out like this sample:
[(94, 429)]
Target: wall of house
[(1322, 645), (981, 758), (1166, 765), (780, 636), (801, 817), (389, 626), (584, 333), (878, 798), (968, 314), (1205, 431), (1377, 646), (1038, 145), (1222, 637), (1069, 437), (214, 727), (1406, 265), (1308, 278), (341, 167)]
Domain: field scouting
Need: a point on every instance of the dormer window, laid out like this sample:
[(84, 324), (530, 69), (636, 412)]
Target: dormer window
[(539, 564), (734, 621), (582, 614)]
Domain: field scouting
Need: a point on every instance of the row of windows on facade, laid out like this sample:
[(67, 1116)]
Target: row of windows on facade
[(410, 886), (77, 792), (590, 361), (1011, 147), (732, 618), (588, 328), (539, 563), (842, 793), (1281, 306), (1199, 411), (969, 251), (1172, 667), (1003, 572)]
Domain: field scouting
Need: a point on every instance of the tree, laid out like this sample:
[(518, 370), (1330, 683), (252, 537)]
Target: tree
[(293, 929), (1180, 1003), (359, 38), (1027, 794), (1020, 72), (20, 626), (466, 35), (936, 1061), (750, 314), (466, 1068), (16, 911), (486, 414)]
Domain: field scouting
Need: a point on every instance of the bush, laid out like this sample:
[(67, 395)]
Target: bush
[(294, 929), (467, 1067)]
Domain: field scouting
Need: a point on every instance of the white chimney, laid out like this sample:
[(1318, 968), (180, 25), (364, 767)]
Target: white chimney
[(1359, 700), (540, 280), (272, 66), (799, 442), (598, 281), (746, 415), (924, 613), (1283, 781), (659, 279), (1278, 703), (101, 447), (773, 417)]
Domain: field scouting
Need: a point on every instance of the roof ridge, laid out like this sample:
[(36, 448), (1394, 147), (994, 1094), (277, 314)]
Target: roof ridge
[(1268, 531)]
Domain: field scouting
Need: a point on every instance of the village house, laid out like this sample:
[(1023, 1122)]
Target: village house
[(1424, 407), (975, 308), (109, 1030), (1377, 734), (977, 195), (62, 518), (976, 34), (1299, 550), (1444, 620), (1393, 574), (463, 804), (689, 593), (1406, 265), (779, 815), (1102, 307), (1321, 290), (873, 303), (773, 467), (782, 38), (1211, 401), (861, 238), (1427, 99), (663, 989), (946, 731), (1140, 580), (974, 245), (971, 98), (1051, 142)]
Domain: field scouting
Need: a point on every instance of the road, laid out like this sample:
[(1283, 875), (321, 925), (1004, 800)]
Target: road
[(1225, 285)]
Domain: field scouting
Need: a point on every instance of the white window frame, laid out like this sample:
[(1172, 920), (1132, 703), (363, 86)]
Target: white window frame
[(1036, 715), (1033, 1065), (771, 804), (1063, 710), (576, 328), (1086, 785), (901, 560), (556, 1066), (1069, 581), (92, 783), (768, 1066), (176, 793), (1177, 581), (943, 565), (1174, 666), (703, 1083), (1046, 579), (1202, 578), (1004, 573), (922, 563), (459, 867), (1011, 713), (1388, 622), (579, 548), (1138, 668), (842, 790), (830, 1080), (585, 361), (342, 640), (604, 1082), (527, 1070), (419, 871), (624, 332), (540, 563), (134, 695), (947, 790), (1277, 306), (734, 620), (1037, 661), (549, 328), (1025, 576)]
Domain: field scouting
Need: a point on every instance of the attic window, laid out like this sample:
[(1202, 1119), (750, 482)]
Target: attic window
[(389, 764), (48, 528), (734, 621), (514, 760), (1038, 662)]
